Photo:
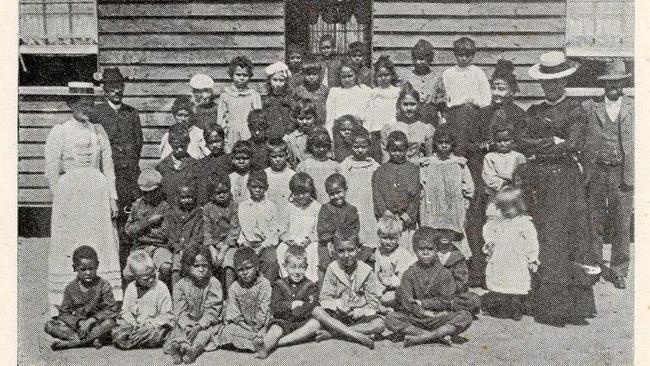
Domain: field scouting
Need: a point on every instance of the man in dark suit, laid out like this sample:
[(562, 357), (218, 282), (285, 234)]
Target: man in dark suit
[(122, 124), (609, 149)]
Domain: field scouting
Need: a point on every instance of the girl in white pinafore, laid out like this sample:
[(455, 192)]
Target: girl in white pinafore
[(83, 201)]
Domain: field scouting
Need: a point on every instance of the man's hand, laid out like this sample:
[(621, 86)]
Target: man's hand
[(114, 209)]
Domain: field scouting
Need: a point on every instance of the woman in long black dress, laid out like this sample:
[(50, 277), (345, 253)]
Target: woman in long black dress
[(553, 180)]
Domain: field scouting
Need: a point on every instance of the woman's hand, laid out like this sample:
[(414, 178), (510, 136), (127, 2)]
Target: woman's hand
[(114, 209)]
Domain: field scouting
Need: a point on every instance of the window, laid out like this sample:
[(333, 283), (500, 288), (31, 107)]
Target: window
[(600, 28), (347, 20), (57, 41)]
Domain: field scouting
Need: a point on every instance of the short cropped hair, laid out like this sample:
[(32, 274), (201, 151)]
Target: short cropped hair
[(84, 252), (257, 118), (245, 254), (279, 144), (390, 225), (189, 256), (258, 176), (296, 252), (302, 182), (336, 179), (356, 47), (242, 147), (424, 234), (464, 45), (394, 137), (217, 180), (213, 127), (139, 260)]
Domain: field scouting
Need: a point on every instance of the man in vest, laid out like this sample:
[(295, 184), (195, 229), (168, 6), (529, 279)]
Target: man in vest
[(609, 149)]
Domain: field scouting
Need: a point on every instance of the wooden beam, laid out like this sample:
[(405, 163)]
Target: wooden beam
[(194, 41), (39, 135), (191, 9), (402, 56), (38, 119), (183, 73), (521, 72), (483, 8), (37, 151), (387, 39), (204, 56), (469, 25), (189, 25)]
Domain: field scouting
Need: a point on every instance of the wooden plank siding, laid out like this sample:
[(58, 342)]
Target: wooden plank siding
[(516, 30), (159, 45)]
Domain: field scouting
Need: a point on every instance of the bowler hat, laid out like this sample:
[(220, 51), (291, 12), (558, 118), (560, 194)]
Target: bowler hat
[(111, 75), (615, 70)]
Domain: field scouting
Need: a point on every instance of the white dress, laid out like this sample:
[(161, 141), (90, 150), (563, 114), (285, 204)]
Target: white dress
[(81, 208)]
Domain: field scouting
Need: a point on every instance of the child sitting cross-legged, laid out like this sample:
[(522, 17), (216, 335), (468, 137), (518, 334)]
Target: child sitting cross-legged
[(88, 311), (425, 313), (292, 301), (349, 297), (146, 316), (198, 301), (391, 260), (221, 226), (454, 261), (247, 311)]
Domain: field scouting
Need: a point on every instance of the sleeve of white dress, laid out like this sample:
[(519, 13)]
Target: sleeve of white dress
[(329, 111), (531, 244), (53, 155), (107, 160), (257, 101), (485, 91), (490, 176)]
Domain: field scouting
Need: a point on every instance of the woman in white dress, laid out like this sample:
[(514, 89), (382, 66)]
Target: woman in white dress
[(79, 169)]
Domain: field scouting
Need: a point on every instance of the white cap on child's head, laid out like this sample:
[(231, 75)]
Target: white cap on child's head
[(201, 81), (278, 67)]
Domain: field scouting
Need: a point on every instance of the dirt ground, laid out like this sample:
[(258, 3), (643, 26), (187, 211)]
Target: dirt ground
[(608, 340)]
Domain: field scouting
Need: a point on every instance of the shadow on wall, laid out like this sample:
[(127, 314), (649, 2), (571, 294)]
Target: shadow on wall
[(34, 222)]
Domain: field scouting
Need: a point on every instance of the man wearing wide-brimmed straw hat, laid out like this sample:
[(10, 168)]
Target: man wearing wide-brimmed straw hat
[(79, 170), (122, 124), (609, 150), (554, 184)]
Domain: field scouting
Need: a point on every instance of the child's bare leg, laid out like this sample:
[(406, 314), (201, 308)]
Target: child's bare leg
[(301, 334), (271, 338), (375, 326), (412, 330), (60, 330), (338, 327), (445, 330), (99, 331)]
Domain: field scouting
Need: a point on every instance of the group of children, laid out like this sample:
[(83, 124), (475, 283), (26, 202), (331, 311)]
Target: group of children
[(312, 212)]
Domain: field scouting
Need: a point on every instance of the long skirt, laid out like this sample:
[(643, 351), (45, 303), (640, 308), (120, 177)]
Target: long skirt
[(561, 292), (81, 215)]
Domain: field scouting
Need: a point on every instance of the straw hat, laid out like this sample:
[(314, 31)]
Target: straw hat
[(81, 89), (553, 65), (615, 70)]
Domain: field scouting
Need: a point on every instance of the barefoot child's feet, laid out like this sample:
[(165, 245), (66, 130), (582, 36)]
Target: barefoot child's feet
[(97, 344), (323, 335)]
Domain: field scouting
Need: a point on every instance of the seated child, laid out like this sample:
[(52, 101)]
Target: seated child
[(178, 167), (147, 227), (240, 157), (349, 297), (357, 53), (216, 163), (334, 215), (258, 126), (319, 165), (301, 226), (343, 129), (247, 311), (293, 299), (279, 174), (198, 301), (396, 187), (259, 224), (312, 87), (454, 261), (391, 260), (304, 115), (88, 311), (425, 313), (512, 254), (221, 227), (146, 316), (236, 101), (185, 226)]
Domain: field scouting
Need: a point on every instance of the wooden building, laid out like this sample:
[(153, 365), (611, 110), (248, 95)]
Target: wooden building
[(161, 44)]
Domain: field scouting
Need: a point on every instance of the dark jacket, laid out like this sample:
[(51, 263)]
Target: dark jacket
[(284, 293)]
